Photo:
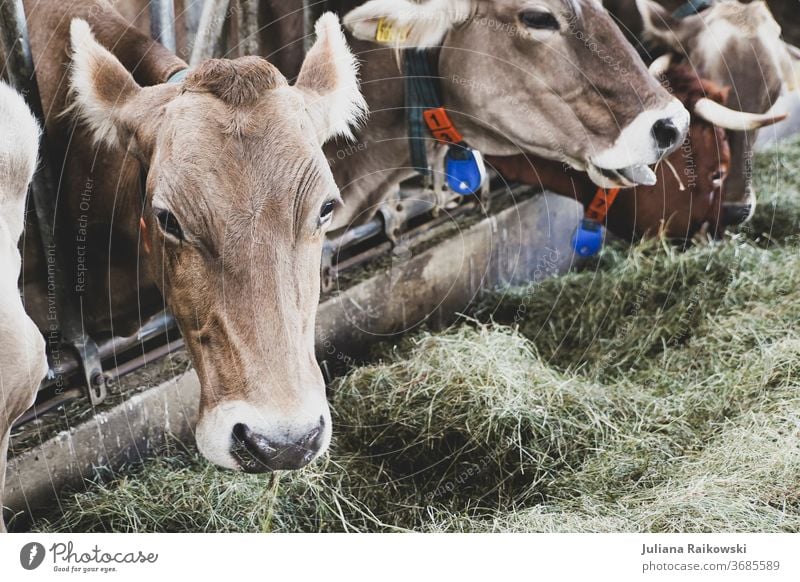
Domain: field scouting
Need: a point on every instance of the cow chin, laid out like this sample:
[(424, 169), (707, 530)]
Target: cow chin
[(241, 436)]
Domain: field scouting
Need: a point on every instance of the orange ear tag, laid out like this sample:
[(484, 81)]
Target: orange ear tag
[(144, 235)]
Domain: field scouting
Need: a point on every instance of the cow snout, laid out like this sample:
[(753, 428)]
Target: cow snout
[(259, 453), (666, 134), (265, 436), (735, 214)]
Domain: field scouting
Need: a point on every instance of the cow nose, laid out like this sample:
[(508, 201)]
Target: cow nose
[(666, 134), (257, 453), (735, 214)]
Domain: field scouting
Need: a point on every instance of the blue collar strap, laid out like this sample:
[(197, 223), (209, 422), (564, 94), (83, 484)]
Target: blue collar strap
[(178, 77), (691, 7)]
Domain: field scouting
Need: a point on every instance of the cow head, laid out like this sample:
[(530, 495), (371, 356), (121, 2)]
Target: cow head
[(237, 202), (554, 78), (688, 196), (738, 46)]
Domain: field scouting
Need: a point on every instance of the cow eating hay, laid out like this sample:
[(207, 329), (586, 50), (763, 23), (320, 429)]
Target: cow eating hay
[(591, 416)]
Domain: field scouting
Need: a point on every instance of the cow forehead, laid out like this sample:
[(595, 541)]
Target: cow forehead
[(741, 48), (208, 140)]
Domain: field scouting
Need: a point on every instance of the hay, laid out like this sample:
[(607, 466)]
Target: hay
[(179, 492), (656, 391)]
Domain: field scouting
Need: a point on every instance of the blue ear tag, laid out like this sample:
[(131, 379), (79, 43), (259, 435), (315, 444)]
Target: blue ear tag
[(464, 169), (588, 238)]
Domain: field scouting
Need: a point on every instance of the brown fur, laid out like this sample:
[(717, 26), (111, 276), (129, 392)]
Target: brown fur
[(238, 83)]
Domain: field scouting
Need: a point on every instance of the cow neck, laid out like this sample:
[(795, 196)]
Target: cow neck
[(464, 169)]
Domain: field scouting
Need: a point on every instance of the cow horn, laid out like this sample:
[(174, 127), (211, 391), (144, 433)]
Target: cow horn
[(793, 50), (660, 66), (727, 118)]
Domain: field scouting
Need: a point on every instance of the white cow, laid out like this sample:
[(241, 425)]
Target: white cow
[(23, 363)]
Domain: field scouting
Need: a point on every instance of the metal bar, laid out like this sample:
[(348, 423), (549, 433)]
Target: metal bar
[(162, 23), (155, 327), (37, 410), (147, 358), (209, 30), (249, 37)]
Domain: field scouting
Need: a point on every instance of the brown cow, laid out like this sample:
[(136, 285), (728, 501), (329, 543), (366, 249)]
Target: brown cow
[(691, 181), (227, 227), (514, 76)]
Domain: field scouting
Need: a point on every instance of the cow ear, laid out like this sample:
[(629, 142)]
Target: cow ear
[(660, 26), (107, 99), (406, 23), (329, 82), (101, 86)]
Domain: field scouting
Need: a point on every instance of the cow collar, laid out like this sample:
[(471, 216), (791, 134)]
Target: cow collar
[(588, 237), (178, 76), (465, 171), (691, 7)]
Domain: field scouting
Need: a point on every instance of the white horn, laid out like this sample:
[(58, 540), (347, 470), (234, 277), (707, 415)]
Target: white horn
[(727, 118), (661, 65), (793, 50)]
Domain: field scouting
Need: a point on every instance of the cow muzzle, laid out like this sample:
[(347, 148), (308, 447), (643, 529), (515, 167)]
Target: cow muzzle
[(237, 435), (649, 138)]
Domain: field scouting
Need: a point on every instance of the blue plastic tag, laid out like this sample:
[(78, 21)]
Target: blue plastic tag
[(464, 169), (588, 238)]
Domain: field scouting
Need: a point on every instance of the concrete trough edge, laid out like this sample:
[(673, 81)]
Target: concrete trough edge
[(519, 245)]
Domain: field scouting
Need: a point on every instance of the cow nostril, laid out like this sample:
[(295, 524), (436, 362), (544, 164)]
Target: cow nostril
[(665, 133), (256, 453)]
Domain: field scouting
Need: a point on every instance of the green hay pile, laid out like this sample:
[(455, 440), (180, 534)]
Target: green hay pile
[(657, 390)]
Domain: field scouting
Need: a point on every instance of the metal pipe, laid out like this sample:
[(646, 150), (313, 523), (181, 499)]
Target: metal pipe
[(147, 358), (162, 23), (156, 326), (249, 37), (209, 30), (37, 410)]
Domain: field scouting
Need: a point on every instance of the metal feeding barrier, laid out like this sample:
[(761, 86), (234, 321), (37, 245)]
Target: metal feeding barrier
[(87, 367)]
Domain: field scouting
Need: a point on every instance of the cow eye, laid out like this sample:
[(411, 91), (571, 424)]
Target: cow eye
[(326, 212), (169, 224), (538, 19)]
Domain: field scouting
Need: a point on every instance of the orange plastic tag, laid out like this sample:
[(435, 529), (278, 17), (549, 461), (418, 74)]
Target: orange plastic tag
[(440, 126), (601, 203)]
